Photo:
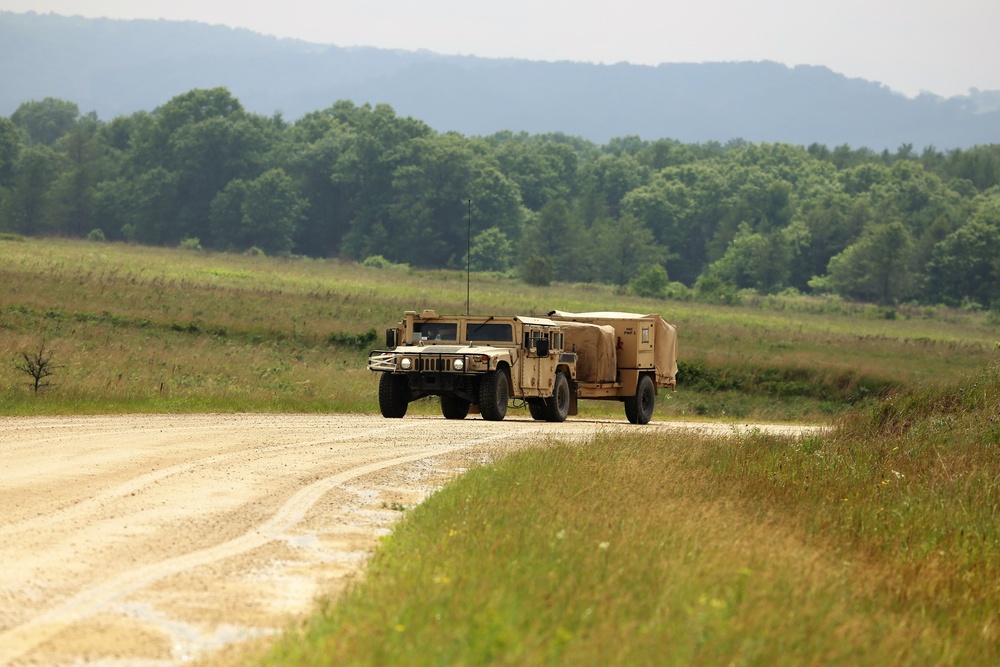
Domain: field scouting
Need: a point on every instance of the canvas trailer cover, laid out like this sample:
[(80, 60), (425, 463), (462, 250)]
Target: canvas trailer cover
[(596, 336)]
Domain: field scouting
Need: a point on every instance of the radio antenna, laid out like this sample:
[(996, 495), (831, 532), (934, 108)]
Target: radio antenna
[(468, 266)]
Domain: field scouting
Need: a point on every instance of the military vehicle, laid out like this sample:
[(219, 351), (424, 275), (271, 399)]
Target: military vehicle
[(479, 363)]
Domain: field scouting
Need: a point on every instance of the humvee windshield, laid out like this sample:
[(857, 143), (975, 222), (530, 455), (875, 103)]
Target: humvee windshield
[(487, 331), (435, 331)]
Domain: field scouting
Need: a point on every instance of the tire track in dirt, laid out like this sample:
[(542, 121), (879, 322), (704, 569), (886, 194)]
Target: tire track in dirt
[(17, 641), (136, 484)]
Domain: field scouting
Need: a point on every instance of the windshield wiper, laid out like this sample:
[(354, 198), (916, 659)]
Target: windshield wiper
[(483, 324)]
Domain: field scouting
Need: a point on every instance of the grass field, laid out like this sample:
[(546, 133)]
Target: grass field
[(134, 328), (877, 544)]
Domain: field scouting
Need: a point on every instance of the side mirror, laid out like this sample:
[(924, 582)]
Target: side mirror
[(542, 347), (390, 338)]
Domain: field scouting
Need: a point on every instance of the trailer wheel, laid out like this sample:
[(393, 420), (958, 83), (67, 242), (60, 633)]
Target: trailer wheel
[(393, 395), (453, 407), (639, 408), (494, 390), (557, 406)]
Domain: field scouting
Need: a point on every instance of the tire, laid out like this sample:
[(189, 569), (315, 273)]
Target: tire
[(453, 407), (537, 410), (557, 405), (639, 408), (393, 395), (494, 390)]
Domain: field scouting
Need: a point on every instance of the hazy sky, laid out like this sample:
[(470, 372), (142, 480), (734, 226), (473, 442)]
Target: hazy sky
[(941, 46)]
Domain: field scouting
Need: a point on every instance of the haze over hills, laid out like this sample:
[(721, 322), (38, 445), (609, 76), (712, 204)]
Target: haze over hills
[(116, 67)]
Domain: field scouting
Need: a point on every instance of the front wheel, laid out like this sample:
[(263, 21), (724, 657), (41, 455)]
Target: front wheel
[(494, 390), (393, 395), (639, 408), (453, 407), (557, 405)]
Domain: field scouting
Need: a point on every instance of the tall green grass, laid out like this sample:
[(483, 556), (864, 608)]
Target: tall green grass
[(876, 544)]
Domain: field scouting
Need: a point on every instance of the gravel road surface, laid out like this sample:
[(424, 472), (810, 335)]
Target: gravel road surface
[(152, 540)]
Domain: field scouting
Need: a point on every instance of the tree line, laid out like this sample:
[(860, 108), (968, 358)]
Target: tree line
[(360, 182)]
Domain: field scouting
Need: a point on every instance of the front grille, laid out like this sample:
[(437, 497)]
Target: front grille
[(433, 364)]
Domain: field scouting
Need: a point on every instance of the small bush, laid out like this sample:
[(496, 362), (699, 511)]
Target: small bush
[(713, 289), (96, 235), (38, 365), (651, 282), (191, 243), (537, 270), (377, 262)]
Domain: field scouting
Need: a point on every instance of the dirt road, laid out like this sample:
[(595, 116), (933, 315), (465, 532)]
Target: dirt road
[(153, 540)]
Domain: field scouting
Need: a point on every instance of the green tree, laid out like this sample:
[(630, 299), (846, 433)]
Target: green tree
[(27, 205), (605, 182), (151, 207), (829, 221), (756, 198), (557, 236), (204, 139), (965, 264), (650, 281), (544, 170), (875, 268), (83, 166), (682, 207), (318, 144), (756, 260), (429, 214), (272, 211), (47, 120), (491, 251), (624, 246), (10, 147), (262, 213), (378, 144)]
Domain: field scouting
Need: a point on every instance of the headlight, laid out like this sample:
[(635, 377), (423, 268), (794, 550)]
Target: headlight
[(458, 365), (405, 363)]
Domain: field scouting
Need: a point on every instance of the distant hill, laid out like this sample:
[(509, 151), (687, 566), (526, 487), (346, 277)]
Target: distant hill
[(118, 67)]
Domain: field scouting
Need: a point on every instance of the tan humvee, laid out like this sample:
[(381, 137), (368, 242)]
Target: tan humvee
[(478, 363)]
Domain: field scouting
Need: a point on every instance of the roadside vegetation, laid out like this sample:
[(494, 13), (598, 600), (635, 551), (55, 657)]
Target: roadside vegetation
[(875, 544), (129, 328)]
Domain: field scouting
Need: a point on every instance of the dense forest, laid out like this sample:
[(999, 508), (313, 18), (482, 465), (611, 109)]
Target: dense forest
[(660, 216)]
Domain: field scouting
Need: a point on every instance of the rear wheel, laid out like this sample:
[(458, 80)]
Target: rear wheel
[(557, 405), (393, 395), (494, 390), (639, 408), (453, 407), (537, 410)]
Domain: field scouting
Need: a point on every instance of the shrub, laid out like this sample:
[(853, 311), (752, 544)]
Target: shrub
[(376, 262), (537, 270), (651, 281)]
